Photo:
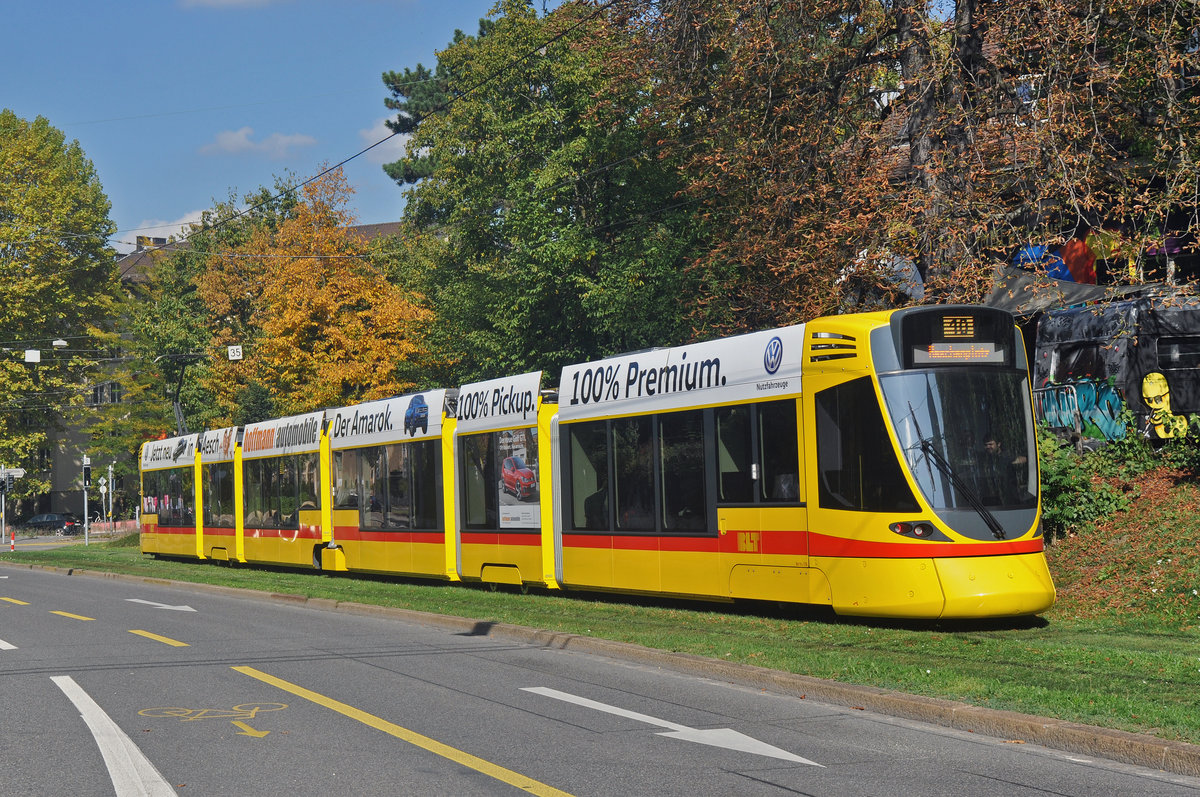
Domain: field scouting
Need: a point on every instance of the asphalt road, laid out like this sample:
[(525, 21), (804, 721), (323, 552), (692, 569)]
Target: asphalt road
[(116, 685)]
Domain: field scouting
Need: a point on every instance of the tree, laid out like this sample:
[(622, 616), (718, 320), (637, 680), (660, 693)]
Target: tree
[(417, 94), (831, 140), (549, 227), (56, 280), (320, 324)]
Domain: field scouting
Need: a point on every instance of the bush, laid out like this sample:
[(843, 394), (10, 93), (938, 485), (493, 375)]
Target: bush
[(1078, 489)]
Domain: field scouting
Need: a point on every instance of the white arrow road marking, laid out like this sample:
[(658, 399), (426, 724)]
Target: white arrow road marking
[(717, 737), (162, 605), (131, 772), (7, 645)]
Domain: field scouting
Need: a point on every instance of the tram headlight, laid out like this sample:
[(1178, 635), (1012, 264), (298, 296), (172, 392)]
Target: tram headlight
[(920, 529)]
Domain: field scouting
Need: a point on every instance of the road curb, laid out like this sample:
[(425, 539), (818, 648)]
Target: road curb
[(1179, 758)]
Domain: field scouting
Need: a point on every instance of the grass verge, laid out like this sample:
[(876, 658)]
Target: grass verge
[(1121, 649)]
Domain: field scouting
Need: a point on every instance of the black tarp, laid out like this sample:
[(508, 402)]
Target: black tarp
[(1024, 293)]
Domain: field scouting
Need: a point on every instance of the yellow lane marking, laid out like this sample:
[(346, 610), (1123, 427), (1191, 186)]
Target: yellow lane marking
[(165, 640), (246, 730), (14, 600), (412, 737), (73, 616), (243, 711)]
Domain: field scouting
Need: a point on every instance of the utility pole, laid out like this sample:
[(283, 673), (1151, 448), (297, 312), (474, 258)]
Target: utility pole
[(8, 477), (87, 482)]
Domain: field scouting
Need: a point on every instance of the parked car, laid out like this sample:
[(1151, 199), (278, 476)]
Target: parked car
[(518, 477), (61, 523)]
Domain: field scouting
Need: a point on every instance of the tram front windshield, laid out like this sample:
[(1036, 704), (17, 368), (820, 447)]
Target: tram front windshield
[(967, 436)]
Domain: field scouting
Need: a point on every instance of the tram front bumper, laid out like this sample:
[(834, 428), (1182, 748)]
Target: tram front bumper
[(996, 586), (1010, 585)]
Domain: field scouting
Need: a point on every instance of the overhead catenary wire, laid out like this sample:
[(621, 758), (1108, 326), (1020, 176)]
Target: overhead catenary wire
[(536, 50)]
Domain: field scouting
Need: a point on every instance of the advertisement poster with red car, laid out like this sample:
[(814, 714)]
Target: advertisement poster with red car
[(501, 417)]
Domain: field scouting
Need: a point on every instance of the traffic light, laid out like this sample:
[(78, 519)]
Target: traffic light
[(87, 475), (4, 485), (9, 480)]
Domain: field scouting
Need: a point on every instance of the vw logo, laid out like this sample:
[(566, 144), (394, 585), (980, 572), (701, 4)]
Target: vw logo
[(773, 355)]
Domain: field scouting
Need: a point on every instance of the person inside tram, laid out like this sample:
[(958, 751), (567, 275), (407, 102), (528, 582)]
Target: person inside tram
[(1001, 472)]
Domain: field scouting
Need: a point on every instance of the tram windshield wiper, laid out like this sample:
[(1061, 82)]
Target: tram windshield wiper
[(964, 489)]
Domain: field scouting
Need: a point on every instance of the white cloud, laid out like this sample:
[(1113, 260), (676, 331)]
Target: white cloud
[(275, 146), (156, 228), (388, 151)]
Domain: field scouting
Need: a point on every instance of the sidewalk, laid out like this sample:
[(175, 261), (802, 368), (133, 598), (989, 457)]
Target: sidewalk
[(15, 539)]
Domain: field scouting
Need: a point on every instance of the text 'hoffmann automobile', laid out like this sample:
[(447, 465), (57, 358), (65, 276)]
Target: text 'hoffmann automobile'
[(883, 464)]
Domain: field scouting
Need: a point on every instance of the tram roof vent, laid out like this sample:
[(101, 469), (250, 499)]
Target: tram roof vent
[(833, 346)]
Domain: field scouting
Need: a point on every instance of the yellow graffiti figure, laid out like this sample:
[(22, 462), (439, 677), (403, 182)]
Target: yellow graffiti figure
[(1157, 395)]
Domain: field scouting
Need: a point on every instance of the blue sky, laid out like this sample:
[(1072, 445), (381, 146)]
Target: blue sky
[(179, 102)]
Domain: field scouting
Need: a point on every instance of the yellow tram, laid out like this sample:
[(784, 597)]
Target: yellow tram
[(883, 464)]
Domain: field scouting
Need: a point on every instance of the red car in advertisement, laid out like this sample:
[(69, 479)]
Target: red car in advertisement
[(518, 478)]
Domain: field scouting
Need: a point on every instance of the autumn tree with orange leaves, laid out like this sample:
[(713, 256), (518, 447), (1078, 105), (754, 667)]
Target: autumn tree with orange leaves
[(319, 323), (831, 142)]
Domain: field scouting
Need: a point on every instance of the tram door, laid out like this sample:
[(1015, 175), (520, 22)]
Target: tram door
[(762, 517)]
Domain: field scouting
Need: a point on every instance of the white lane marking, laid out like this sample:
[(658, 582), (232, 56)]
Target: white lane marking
[(132, 773), (716, 737), (181, 608), (7, 645)]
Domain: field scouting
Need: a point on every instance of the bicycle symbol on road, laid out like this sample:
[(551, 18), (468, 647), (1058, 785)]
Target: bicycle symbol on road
[(237, 715)]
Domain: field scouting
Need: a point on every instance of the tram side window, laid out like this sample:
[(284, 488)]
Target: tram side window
[(218, 495), (588, 457), (258, 483), (735, 478), (172, 500), (345, 479), (268, 492), (309, 483), (633, 459), (424, 466), (252, 512), (272, 492), (500, 468), (481, 499), (373, 462), (778, 445), (177, 505), (412, 486), (289, 492), (150, 493), (857, 468), (399, 491), (681, 469)]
